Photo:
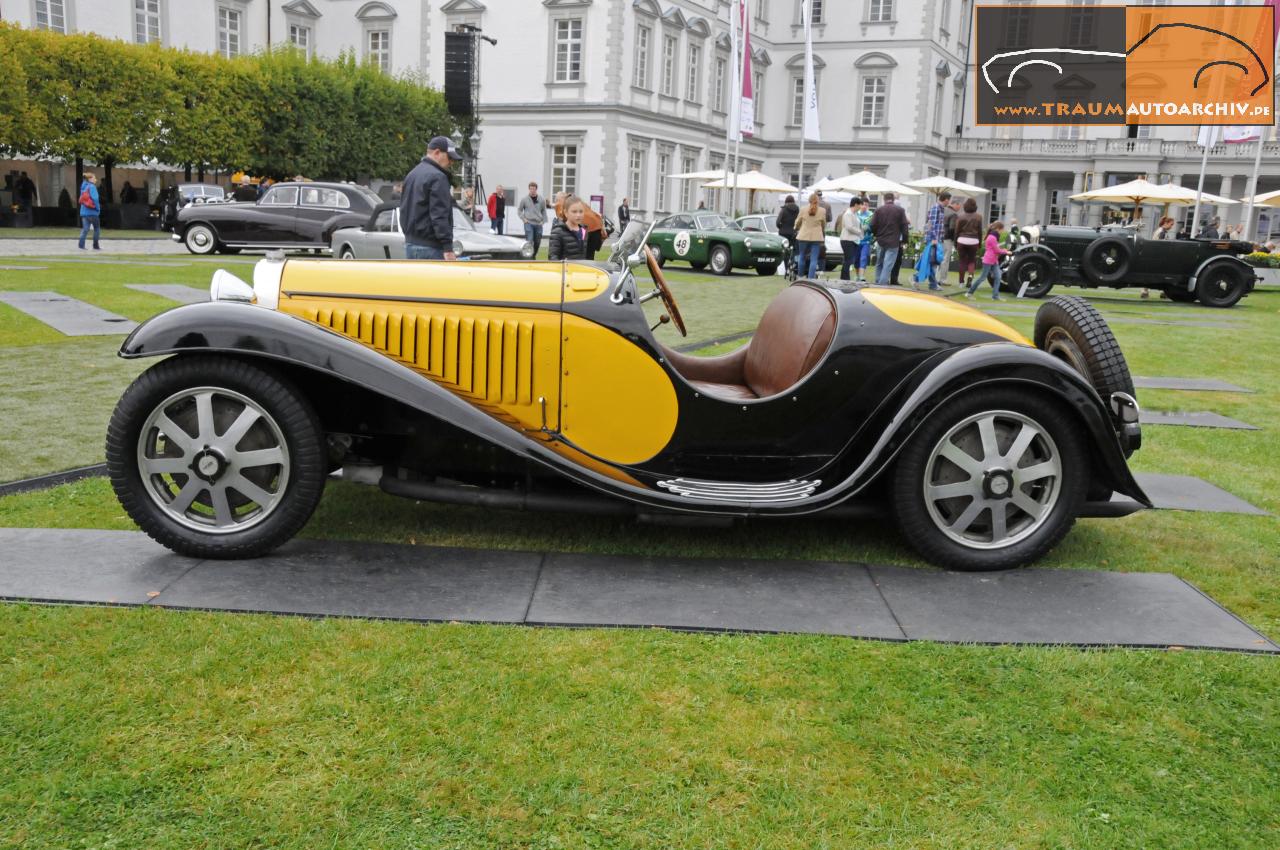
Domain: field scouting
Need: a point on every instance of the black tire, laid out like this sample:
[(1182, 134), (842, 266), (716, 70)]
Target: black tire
[(1106, 260), (656, 250), (1180, 294), (766, 269), (1036, 271), (1071, 329), (200, 239), (697, 265), (287, 426), (345, 253), (1221, 285), (721, 260), (935, 525)]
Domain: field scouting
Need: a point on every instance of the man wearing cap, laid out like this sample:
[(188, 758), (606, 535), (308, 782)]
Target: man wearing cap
[(426, 204)]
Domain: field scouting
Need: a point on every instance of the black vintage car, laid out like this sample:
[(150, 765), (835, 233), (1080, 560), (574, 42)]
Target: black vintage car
[(1208, 270), (289, 215)]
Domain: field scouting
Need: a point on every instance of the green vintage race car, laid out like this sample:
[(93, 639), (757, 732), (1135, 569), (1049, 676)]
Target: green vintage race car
[(702, 238)]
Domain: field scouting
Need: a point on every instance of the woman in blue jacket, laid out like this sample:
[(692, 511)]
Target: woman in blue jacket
[(90, 210)]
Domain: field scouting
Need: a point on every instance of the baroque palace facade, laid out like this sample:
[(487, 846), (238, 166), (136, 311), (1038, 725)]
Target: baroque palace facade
[(606, 97)]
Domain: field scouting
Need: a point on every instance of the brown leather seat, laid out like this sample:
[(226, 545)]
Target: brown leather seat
[(794, 333)]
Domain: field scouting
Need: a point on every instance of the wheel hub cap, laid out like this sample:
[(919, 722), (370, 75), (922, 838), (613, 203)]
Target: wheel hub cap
[(209, 465), (997, 484)]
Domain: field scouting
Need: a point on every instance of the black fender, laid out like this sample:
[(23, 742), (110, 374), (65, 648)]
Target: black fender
[(335, 223), (247, 330), (1250, 273), (959, 370), (1040, 250)]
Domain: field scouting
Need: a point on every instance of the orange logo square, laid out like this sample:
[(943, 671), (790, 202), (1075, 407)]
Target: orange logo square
[(1200, 65)]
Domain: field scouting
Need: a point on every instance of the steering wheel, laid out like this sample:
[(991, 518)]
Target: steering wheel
[(663, 291)]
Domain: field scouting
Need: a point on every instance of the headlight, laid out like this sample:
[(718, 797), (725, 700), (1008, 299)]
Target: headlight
[(526, 250), (747, 241), (457, 248)]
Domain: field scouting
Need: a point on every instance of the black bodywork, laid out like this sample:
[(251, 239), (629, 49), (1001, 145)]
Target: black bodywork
[(1119, 257), (288, 215), (839, 428)]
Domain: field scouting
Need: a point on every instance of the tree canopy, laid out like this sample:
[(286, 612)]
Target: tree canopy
[(272, 113)]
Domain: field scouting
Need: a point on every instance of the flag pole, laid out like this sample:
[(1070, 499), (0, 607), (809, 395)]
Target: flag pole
[(1204, 161), (739, 61), (804, 115), (734, 129), (1253, 188)]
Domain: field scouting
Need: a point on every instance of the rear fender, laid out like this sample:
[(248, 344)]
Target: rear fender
[(1250, 274), (1002, 364)]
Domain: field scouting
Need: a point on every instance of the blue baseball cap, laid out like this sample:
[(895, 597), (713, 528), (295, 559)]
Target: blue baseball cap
[(441, 143)]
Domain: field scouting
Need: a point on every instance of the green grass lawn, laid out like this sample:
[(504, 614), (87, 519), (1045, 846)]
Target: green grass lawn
[(74, 232), (136, 728)]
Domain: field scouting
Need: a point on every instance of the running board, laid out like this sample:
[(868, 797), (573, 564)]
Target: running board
[(741, 491)]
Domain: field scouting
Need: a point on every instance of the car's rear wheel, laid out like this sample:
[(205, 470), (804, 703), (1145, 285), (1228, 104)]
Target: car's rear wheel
[(721, 259), (992, 480), (200, 239), (215, 458), (1106, 260), (766, 269), (1031, 271), (1072, 330), (1221, 285), (346, 253)]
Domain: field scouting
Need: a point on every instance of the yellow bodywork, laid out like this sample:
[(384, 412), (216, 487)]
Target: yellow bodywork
[(918, 308), (526, 365)]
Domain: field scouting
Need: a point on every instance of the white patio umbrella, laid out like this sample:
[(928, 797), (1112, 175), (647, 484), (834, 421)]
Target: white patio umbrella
[(939, 184), (718, 174), (862, 183), (754, 181), (1266, 199), (1140, 191)]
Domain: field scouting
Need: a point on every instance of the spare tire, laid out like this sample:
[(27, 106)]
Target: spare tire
[(1071, 329), (1106, 260)]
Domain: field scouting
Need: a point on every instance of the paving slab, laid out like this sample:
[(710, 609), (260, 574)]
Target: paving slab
[(81, 565), (1199, 384), (1194, 419), (366, 580), (731, 594), (68, 316), (1188, 493), (434, 584), (1078, 607), (117, 261), (181, 293)]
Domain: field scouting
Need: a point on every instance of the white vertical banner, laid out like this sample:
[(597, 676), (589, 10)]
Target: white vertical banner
[(812, 130), (1208, 135), (747, 108), (732, 130)]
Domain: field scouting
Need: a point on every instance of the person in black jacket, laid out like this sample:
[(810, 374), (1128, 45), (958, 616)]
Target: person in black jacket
[(426, 204), (624, 214), (569, 235), (787, 223)]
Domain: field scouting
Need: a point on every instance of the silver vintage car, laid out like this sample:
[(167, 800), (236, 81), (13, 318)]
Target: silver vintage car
[(380, 238)]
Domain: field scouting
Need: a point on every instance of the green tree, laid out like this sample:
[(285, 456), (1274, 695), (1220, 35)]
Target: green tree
[(212, 117)]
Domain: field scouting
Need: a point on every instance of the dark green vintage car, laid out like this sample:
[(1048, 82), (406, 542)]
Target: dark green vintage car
[(1207, 270), (702, 238)]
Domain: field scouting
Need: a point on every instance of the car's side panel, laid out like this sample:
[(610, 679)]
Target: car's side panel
[(432, 282), (917, 308), (617, 403)]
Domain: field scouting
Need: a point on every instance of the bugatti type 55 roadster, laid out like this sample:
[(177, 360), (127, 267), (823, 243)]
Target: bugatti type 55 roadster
[(541, 385)]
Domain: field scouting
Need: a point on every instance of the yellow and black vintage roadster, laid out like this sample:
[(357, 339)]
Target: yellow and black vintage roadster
[(540, 385)]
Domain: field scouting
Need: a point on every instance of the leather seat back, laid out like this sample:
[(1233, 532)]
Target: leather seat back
[(793, 335)]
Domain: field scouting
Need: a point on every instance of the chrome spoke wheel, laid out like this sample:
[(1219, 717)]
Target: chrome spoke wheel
[(993, 479), (213, 460)]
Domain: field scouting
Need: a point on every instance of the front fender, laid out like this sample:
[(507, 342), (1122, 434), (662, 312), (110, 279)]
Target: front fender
[(1041, 250)]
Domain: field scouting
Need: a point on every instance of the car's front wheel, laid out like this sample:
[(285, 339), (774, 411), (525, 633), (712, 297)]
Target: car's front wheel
[(1029, 274), (992, 480), (1221, 285), (346, 253), (200, 239), (721, 259), (215, 458), (656, 250)]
